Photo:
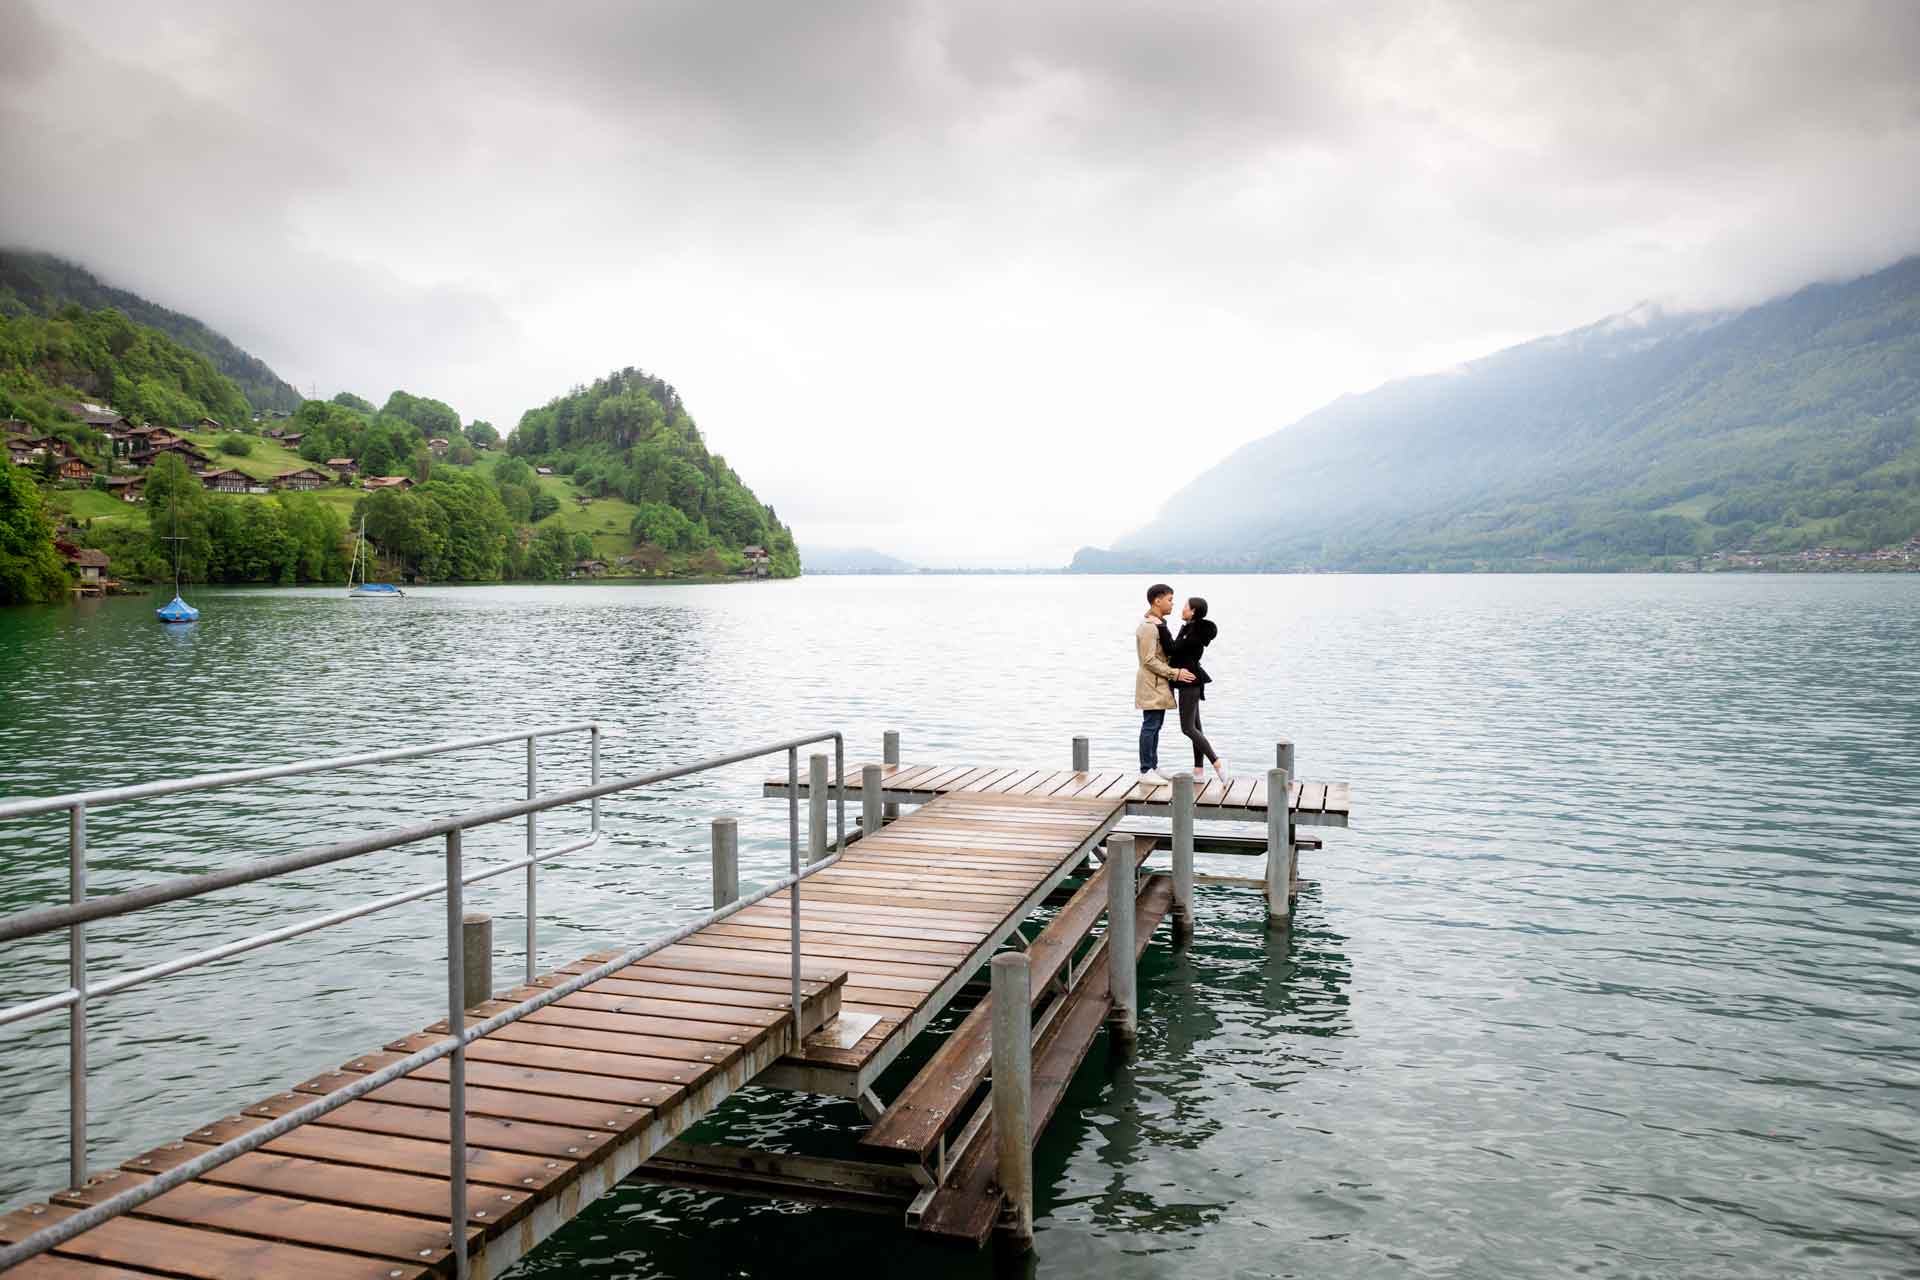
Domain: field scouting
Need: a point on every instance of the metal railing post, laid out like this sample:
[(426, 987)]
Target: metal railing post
[(533, 868), (593, 756), (1279, 846), (1124, 1021), (77, 1015), (1013, 1089), (870, 819), (816, 807), (1183, 854), (457, 1060), (839, 794), (890, 754), (793, 868), (1082, 755), (726, 861)]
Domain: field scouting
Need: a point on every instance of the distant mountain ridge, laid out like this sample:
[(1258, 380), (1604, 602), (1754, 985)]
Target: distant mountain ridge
[(863, 560), (1644, 436), (41, 284)]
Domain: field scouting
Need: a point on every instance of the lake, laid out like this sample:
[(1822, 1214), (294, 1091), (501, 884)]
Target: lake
[(1615, 973)]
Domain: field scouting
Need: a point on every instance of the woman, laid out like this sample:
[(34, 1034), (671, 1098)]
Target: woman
[(1196, 633)]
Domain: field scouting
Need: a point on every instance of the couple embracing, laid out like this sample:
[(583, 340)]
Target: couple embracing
[(1170, 663)]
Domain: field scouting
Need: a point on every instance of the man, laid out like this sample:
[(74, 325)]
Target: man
[(1152, 693)]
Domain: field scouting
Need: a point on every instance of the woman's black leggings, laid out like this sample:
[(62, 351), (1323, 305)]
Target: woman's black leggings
[(1190, 725)]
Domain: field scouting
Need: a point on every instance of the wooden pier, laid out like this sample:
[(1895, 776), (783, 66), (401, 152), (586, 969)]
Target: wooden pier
[(600, 1085)]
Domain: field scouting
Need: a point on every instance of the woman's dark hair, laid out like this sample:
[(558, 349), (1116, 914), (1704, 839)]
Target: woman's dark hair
[(1198, 606)]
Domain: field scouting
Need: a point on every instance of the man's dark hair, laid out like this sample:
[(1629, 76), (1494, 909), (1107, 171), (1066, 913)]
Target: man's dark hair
[(1157, 590)]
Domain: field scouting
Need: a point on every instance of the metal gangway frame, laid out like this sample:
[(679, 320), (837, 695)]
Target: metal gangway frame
[(81, 910)]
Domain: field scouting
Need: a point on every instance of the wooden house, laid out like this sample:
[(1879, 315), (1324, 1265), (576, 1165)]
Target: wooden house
[(303, 480), (90, 563), (439, 445), (127, 488), (343, 467), (76, 469), (588, 568), (759, 563), (387, 482), (225, 480)]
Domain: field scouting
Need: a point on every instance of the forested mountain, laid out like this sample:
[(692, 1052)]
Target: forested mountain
[(103, 356), (1784, 426), (41, 284), (629, 436)]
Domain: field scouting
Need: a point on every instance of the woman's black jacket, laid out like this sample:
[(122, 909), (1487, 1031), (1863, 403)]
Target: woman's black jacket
[(1187, 647)]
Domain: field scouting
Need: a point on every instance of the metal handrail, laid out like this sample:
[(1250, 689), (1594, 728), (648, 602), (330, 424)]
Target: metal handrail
[(75, 915), (76, 803)]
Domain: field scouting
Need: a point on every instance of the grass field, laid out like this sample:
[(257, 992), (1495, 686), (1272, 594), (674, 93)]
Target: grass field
[(605, 520), (265, 462), (91, 504)]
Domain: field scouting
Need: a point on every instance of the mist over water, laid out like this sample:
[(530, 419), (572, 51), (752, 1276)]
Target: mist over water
[(1615, 973)]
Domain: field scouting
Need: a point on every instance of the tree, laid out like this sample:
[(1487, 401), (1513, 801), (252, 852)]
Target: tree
[(348, 400), (235, 445), (31, 571), (483, 433)]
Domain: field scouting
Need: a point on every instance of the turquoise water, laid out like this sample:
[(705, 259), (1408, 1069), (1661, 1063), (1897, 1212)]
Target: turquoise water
[(1615, 973)]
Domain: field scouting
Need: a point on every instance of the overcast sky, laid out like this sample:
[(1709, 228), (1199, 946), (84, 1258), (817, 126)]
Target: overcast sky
[(972, 283)]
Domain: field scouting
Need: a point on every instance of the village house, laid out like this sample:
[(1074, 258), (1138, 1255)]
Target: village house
[(543, 471), (209, 424), (387, 482), (439, 445), (588, 568), (343, 467), (759, 563), (292, 439), (303, 480), (76, 469), (24, 451), (193, 457), (130, 440), (224, 480), (90, 563), (127, 488)]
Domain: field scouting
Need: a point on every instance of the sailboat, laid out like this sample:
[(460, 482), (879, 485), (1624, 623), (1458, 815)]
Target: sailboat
[(364, 590), (176, 610)]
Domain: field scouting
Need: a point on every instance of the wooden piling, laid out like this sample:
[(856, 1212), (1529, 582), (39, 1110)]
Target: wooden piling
[(890, 754), (476, 951), (1280, 851), (870, 817), (726, 861), (1124, 1020), (817, 784), (1013, 1090), (1183, 854), (1082, 756)]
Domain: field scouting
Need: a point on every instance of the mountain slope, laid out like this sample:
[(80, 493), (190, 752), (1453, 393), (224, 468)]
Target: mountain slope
[(1791, 424), (41, 284)]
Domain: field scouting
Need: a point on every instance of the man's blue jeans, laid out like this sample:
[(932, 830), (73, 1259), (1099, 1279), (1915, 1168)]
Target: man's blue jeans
[(1150, 722)]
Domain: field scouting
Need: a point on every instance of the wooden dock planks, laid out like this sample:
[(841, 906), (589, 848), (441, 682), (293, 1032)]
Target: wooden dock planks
[(1244, 798)]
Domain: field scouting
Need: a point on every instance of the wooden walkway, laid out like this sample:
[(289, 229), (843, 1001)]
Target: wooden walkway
[(568, 1101), (1244, 799)]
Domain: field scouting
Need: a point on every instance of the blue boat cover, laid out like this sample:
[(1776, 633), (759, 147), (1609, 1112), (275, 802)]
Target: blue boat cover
[(378, 588), (177, 610)]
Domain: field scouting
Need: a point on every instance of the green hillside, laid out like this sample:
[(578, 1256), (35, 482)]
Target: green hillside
[(41, 284), (1644, 439), (628, 436), (46, 362)]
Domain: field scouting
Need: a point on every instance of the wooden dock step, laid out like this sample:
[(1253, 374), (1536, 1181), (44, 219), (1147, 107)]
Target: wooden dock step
[(930, 1104), (966, 1207)]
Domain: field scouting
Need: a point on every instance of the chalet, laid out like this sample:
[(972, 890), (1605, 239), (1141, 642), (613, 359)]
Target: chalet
[(208, 424), (130, 440), (76, 469), (292, 439), (387, 482), (127, 488), (344, 467), (178, 448), (225, 480), (588, 568), (759, 563), (99, 416), (439, 445), (24, 451), (303, 480), (89, 563), (540, 471)]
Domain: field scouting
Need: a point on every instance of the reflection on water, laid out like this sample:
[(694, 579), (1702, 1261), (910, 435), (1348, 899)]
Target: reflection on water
[(1616, 973)]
